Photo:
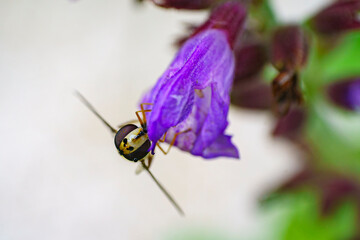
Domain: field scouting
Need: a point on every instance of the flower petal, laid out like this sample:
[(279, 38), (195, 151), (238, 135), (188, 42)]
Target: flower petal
[(213, 127), (222, 147), (207, 122)]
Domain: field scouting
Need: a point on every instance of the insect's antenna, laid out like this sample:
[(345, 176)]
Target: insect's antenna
[(91, 108), (178, 208)]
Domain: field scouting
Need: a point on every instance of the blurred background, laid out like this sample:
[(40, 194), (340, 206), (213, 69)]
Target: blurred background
[(60, 175)]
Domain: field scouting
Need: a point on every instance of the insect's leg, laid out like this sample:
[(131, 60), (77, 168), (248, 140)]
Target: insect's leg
[(163, 139), (144, 111), (150, 158), (172, 141), (148, 104), (161, 149), (139, 118), (142, 121)]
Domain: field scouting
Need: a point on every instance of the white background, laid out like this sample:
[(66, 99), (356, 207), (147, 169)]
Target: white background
[(60, 174)]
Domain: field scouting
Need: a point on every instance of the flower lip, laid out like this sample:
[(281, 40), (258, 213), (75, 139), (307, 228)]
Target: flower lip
[(205, 63)]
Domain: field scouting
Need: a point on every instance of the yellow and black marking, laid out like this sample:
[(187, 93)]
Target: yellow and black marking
[(132, 142)]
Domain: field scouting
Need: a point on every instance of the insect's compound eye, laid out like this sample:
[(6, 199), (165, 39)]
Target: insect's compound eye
[(122, 133), (139, 153)]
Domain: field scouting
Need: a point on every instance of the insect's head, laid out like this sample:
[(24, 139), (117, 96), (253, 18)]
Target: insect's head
[(132, 143)]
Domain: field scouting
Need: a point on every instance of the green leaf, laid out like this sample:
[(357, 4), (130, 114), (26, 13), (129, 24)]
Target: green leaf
[(333, 133), (303, 220)]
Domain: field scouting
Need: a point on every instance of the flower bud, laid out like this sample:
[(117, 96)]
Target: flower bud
[(250, 58), (289, 48), (338, 17), (332, 187), (291, 125), (253, 94)]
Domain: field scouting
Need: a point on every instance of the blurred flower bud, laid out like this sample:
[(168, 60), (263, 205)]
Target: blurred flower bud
[(288, 55), (250, 58), (185, 4), (338, 17), (253, 94), (346, 93), (289, 48), (336, 189), (299, 179), (332, 187), (138, 1), (291, 125)]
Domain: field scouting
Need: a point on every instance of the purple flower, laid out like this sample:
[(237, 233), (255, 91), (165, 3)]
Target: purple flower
[(340, 16), (346, 93), (193, 93)]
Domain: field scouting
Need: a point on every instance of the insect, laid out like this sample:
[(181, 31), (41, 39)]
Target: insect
[(132, 142)]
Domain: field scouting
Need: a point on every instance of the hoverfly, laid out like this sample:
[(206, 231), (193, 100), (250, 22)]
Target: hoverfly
[(133, 143)]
